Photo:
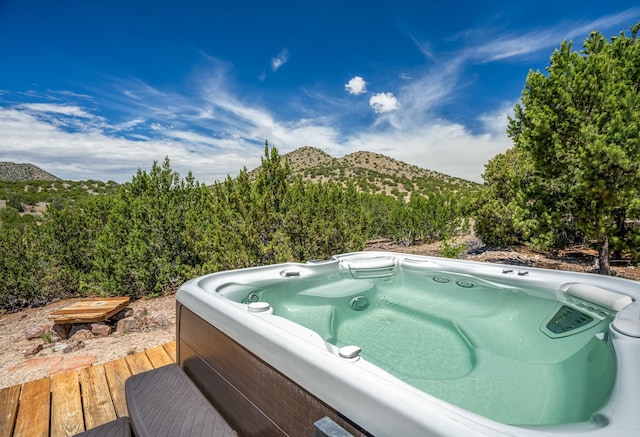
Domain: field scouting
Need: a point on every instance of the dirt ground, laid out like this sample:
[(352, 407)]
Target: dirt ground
[(16, 369)]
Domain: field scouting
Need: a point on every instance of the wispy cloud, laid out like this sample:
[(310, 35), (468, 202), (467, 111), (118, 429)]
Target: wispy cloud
[(214, 132), (50, 108), (509, 45), (128, 125), (100, 154), (279, 60)]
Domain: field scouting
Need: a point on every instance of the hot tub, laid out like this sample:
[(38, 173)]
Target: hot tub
[(395, 344)]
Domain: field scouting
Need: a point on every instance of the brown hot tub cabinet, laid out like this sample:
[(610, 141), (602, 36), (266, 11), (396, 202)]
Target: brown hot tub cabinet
[(254, 398)]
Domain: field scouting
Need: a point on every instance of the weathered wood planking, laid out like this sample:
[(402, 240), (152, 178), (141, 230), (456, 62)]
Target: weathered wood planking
[(66, 405), (159, 357), (90, 310), (33, 411), (9, 398), (171, 350), (117, 373), (96, 398), (138, 363), (69, 402)]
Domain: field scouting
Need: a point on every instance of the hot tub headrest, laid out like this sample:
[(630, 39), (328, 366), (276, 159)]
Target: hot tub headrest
[(606, 298), (369, 263), (371, 267)]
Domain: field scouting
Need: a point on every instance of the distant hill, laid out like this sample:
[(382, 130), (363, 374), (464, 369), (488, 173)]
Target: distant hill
[(13, 172), (371, 172)]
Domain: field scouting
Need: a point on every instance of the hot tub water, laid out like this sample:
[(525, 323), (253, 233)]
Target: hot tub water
[(482, 346)]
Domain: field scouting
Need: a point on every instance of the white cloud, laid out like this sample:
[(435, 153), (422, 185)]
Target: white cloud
[(496, 122), (384, 102), (356, 86), (93, 154), (279, 60), (52, 108)]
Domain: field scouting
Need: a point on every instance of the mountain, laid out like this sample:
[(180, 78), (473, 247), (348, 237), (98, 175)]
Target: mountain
[(10, 171), (371, 172)]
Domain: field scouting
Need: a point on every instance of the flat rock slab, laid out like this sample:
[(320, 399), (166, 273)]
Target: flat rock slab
[(72, 363), (36, 363), (89, 310)]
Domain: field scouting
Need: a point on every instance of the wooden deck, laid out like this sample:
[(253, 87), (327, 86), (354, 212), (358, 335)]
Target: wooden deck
[(69, 403)]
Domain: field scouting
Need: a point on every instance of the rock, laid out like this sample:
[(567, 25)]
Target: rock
[(79, 327), (62, 330), (36, 364), (33, 333), (139, 313), (73, 346), (127, 312), (81, 334), (100, 330), (72, 363), (155, 321), (127, 324), (32, 350), (59, 347)]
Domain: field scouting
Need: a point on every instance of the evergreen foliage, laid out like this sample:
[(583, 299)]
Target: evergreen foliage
[(142, 247), (160, 230), (574, 171)]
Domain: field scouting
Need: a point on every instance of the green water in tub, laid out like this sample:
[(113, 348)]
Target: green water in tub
[(500, 352)]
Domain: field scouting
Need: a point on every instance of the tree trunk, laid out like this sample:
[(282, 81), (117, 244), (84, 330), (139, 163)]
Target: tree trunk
[(621, 231), (604, 267)]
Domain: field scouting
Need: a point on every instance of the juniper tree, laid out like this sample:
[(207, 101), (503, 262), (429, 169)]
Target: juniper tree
[(580, 125)]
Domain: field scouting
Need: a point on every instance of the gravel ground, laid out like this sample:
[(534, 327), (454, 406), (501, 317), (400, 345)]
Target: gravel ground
[(16, 369)]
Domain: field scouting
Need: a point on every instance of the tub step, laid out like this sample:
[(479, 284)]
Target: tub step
[(165, 402)]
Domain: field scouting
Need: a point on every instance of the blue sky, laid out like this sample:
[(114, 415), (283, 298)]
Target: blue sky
[(98, 89)]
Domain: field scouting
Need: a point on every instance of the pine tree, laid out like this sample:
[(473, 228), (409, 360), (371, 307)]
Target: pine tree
[(580, 124)]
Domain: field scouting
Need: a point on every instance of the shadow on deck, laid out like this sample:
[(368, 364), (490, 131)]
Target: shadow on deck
[(72, 402)]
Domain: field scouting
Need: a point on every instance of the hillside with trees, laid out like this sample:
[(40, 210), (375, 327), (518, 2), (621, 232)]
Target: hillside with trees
[(372, 173), (148, 236), (10, 171)]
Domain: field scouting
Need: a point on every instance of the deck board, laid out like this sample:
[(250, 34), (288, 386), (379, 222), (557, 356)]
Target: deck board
[(96, 400), (9, 398), (33, 410), (117, 373), (68, 403), (159, 357), (139, 363), (171, 350)]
